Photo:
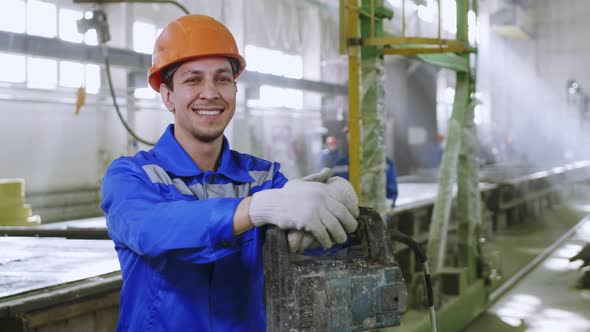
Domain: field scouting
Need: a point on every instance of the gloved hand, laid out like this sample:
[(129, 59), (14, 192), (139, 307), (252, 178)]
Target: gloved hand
[(298, 240), (318, 208), (321, 176)]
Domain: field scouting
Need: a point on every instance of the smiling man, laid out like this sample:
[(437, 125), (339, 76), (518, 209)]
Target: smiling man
[(188, 217)]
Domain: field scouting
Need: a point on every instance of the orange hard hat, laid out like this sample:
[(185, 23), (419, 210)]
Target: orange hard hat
[(188, 37)]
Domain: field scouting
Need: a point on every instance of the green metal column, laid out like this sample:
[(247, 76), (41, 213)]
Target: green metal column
[(468, 200), (349, 31), (437, 244), (372, 108)]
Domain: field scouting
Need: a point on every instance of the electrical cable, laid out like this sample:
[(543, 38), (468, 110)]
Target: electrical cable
[(107, 65), (415, 247), (105, 53)]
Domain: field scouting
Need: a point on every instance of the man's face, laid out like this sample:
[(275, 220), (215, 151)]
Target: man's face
[(204, 98), (332, 143)]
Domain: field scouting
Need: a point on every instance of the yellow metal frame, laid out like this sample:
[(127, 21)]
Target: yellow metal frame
[(425, 50), (350, 44), (354, 121), (387, 41)]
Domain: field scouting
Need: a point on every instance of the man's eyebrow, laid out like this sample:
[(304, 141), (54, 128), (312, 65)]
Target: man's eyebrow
[(223, 70), (197, 71)]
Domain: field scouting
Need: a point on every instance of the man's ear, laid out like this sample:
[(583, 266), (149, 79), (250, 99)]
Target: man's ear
[(165, 94)]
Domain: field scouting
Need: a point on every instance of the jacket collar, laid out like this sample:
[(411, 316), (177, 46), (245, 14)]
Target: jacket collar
[(174, 159)]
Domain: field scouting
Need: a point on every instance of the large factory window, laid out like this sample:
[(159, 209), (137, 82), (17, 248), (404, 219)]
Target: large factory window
[(12, 16), (428, 12), (275, 62), (41, 73), (41, 18), (68, 29), (92, 78), (12, 68), (271, 96), (91, 38), (410, 6), (144, 93), (449, 12), (71, 74), (395, 3), (144, 37)]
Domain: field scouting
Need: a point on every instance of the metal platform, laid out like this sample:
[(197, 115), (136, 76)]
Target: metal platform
[(53, 282), (91, 228)]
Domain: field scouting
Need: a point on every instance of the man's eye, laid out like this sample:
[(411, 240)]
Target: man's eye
[(191, 80)]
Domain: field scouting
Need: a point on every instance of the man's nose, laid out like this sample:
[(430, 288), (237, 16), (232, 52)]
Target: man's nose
[(209, 90)]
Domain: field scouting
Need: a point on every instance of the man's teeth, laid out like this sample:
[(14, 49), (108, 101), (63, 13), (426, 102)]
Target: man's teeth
[(208, 112)]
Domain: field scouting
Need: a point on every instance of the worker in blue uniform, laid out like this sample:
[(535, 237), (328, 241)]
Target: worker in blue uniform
[(187, 217), (307, 243), (341, 169), (331, 154)]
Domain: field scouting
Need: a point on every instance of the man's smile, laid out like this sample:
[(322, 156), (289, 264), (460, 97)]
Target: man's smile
[(209, 111)]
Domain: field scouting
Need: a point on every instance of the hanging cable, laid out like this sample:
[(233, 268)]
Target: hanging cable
[(105, 53), (98, 21), (415, 247)]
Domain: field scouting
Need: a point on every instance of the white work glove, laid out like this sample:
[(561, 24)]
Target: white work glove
[(321, 176), (298, 240), (313, 207)]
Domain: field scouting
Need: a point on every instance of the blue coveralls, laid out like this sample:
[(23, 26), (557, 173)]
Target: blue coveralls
[(329, 158), (183, 270), (341, 169)]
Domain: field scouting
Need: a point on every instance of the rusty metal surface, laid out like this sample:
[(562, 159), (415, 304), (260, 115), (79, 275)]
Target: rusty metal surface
[(28, 263)]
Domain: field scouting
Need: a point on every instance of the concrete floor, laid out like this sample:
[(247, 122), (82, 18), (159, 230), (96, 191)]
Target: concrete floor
[(545, 299)]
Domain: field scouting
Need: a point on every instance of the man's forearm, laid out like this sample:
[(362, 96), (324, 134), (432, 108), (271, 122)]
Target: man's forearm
[(242, 220)]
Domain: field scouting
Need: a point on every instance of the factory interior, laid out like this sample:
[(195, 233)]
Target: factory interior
[(464, 124)]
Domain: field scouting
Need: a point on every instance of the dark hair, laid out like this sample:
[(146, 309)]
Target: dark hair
[(168, 71), (235, 66)]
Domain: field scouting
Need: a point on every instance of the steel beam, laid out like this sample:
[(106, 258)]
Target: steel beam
[(63, 50), (138, 63)]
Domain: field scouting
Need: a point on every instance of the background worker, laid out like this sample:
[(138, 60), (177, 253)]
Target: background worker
[(434, 152), (187, 216), (331, 154), (341, 169)]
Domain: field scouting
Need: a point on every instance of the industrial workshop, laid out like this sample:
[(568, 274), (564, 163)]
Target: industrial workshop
[(294, 165)]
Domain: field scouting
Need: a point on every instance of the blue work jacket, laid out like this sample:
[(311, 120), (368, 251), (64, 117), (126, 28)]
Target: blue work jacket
[(172, 225), (341, 169)]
